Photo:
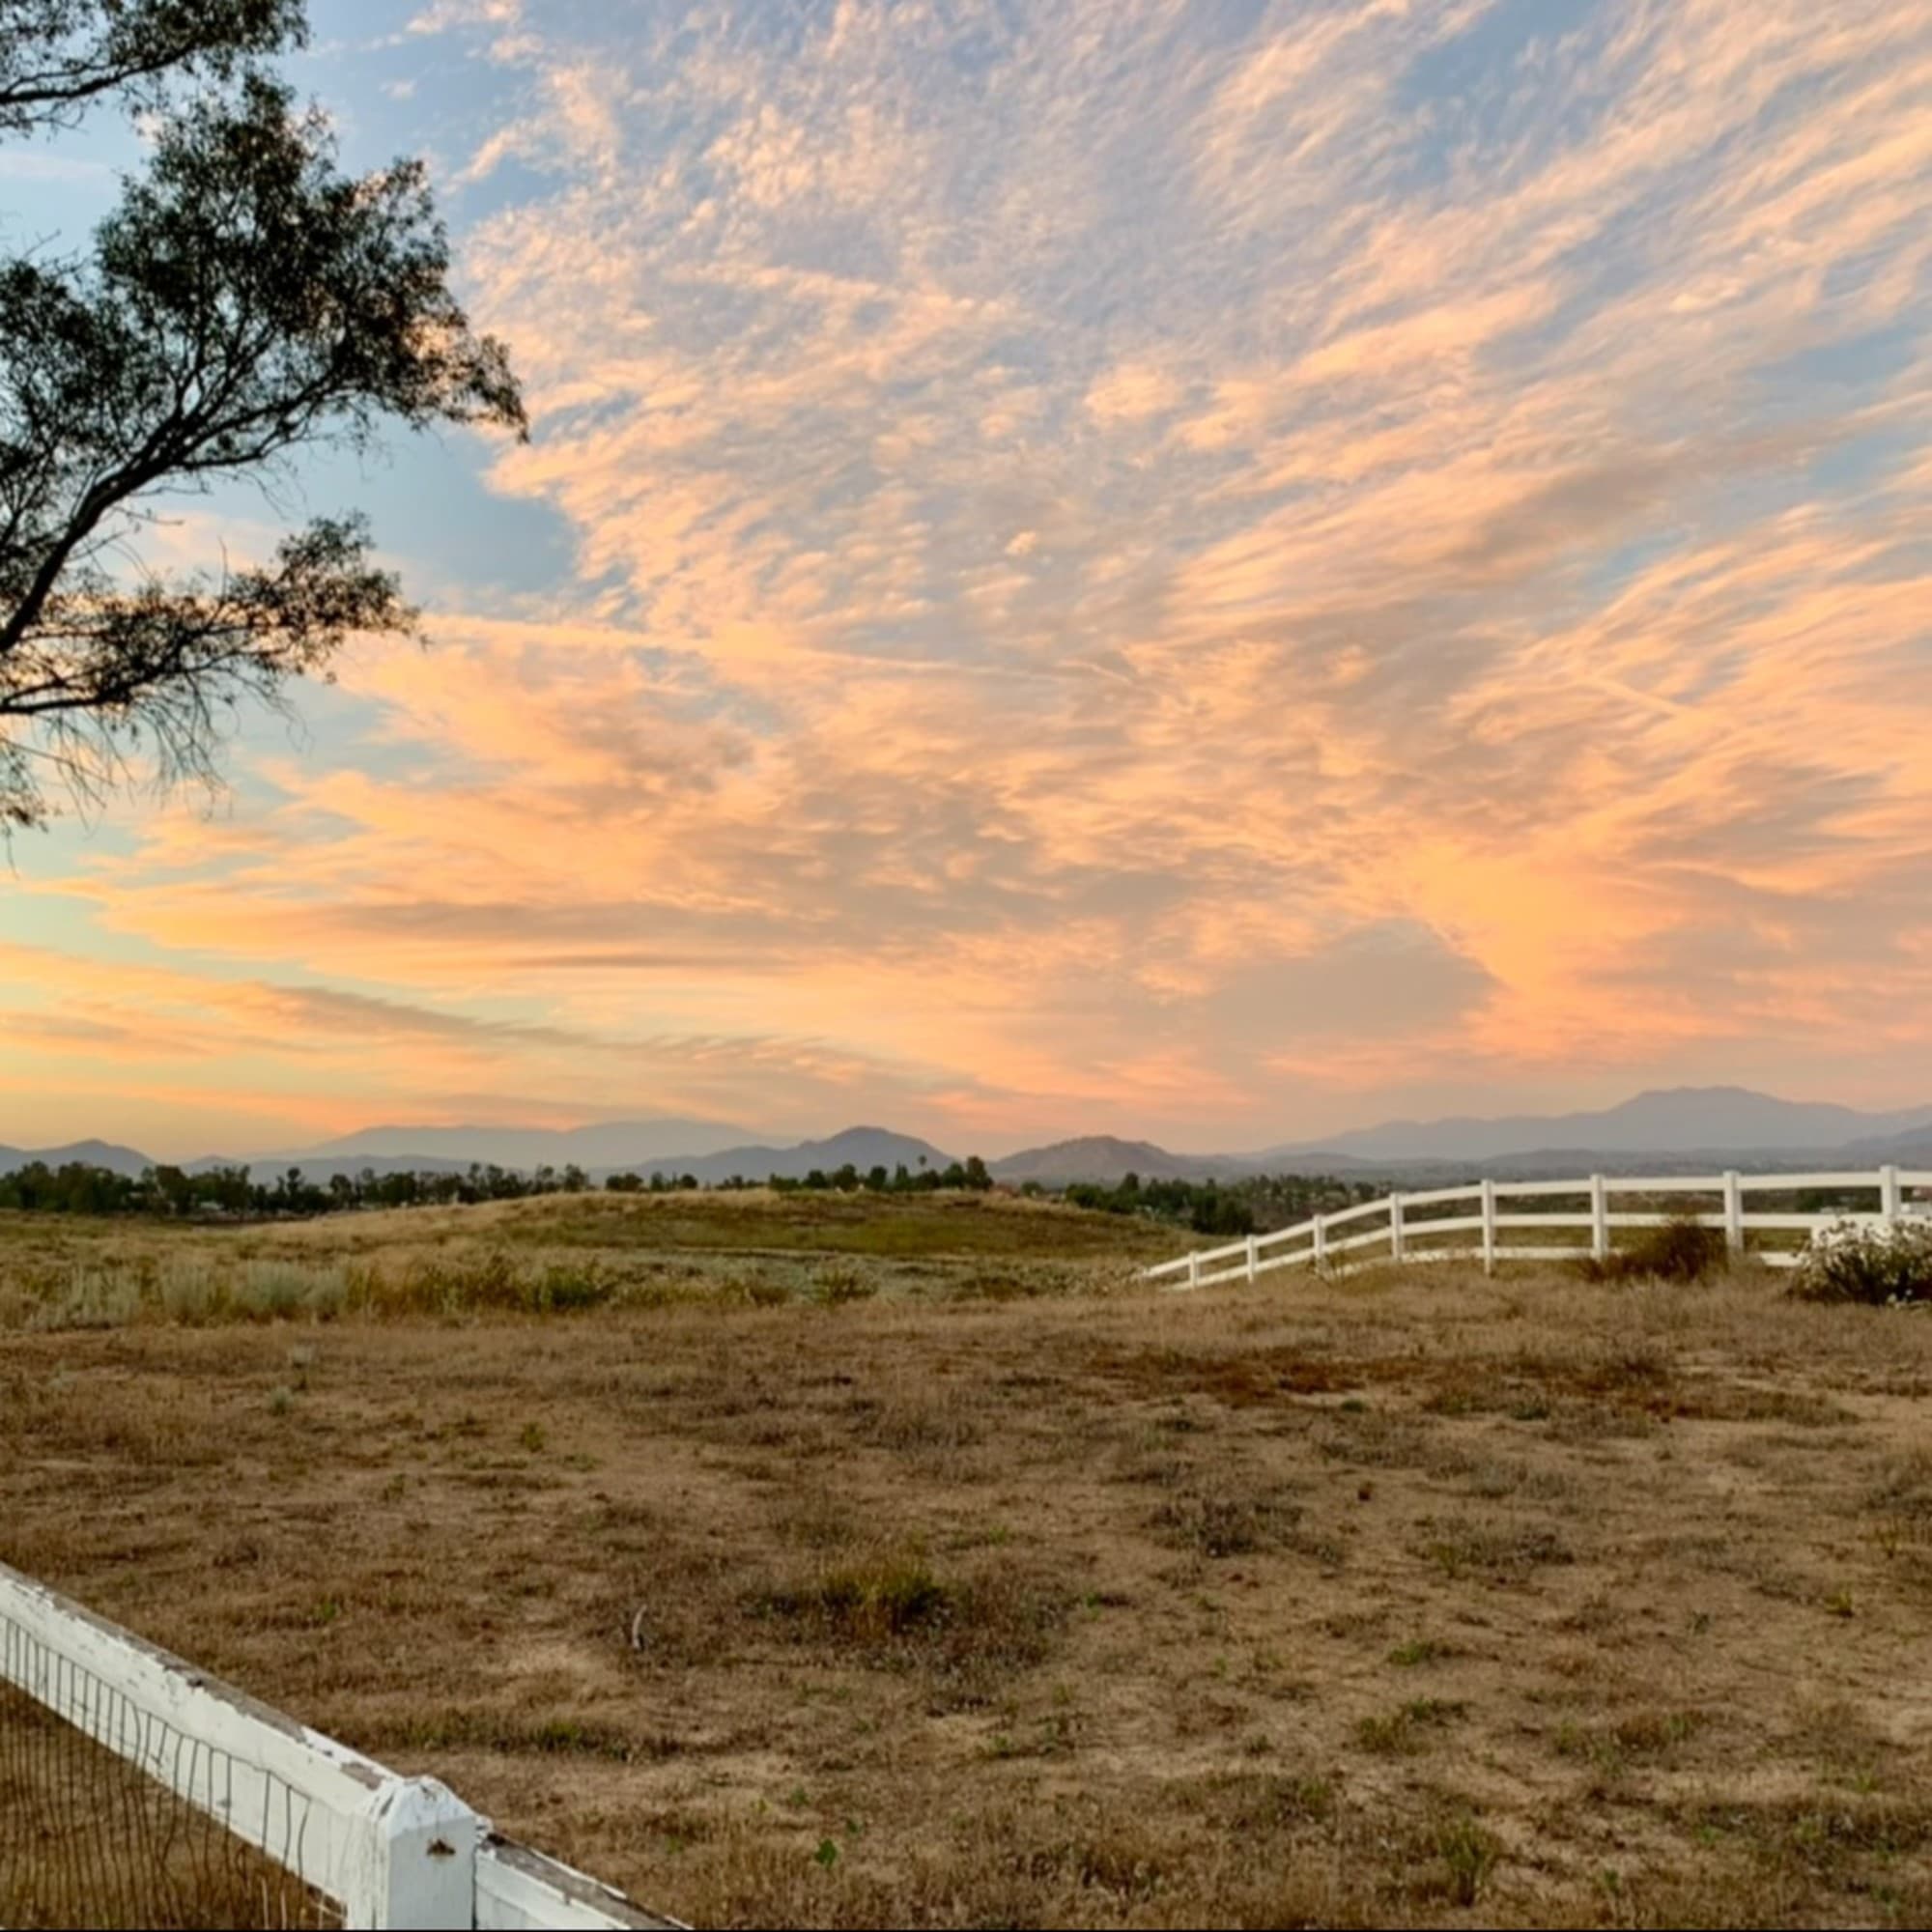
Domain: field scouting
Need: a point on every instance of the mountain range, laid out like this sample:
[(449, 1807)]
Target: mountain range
[(1683, 1127), (1681, 1119)]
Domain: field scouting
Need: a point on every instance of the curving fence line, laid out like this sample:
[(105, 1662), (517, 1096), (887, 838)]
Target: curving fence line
[(1435, 1224)]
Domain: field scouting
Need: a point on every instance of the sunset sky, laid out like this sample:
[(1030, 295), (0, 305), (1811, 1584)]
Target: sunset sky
[(1212, 571)]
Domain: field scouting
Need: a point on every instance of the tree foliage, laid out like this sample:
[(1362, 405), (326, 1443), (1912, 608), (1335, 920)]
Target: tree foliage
[(245, 301), (58, 56), (1255, 1203)]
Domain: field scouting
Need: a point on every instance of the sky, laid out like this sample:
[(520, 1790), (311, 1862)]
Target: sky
[(1212, 570)]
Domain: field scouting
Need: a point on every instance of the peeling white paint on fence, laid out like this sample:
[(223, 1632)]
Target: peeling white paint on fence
[(390, 1851), (1403, 1237)]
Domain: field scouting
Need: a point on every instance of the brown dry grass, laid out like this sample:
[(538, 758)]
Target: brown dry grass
[(1398, 1601)]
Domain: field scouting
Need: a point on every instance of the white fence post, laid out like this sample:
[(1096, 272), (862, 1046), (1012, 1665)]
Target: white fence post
[(1254, 1255), (419, 1867), (1734, 1212), (1321, 1245), (1194, 1268), (1888, 1192), (1600, 1219), (1489, 1227), (1395, 1227)]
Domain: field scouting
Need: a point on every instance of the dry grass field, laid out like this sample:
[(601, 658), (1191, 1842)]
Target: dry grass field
[(846, 1562)]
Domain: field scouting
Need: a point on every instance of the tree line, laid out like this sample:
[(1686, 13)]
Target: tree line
[(168, 1192), (1252, 1205), (76, 1187)]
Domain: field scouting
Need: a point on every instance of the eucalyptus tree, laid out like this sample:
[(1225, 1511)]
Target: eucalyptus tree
[(245, 301)]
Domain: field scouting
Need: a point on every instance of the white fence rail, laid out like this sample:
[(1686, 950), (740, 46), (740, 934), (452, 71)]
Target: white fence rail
[(381, 1849), (1408, 1232)]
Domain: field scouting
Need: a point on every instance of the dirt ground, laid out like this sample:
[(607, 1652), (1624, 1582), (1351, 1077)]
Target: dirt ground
[(937, 1592)]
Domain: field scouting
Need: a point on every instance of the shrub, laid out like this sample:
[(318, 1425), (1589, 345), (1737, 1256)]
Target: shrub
[(1877, 1263), (1684, 1249), (835, 1286)]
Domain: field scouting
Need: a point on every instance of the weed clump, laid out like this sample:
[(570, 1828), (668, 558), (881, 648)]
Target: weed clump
[(1469, 1855), (891, 1608), (838, 1286), (1403, 1733), (1228, 1519)]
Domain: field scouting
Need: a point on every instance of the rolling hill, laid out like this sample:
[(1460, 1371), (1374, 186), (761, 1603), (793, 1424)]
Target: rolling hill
[(864, 1147), (1103, 1158)]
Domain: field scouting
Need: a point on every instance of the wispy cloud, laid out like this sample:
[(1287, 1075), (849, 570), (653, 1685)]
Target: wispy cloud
[(1206, 571)]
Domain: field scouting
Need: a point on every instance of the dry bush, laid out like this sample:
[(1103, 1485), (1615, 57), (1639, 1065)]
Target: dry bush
[(1685, 1249), (1218, 1513), (1501, 1548)]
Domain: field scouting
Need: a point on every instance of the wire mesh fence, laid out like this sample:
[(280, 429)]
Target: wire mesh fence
[(133, 1836)]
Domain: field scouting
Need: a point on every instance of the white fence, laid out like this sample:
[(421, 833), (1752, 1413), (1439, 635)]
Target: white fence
[(379, 1848), (1412, 1227)]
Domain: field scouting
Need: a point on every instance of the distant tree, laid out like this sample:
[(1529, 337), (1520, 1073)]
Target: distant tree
[(173, 1192), (977, 1176), (398, 1190), (623, 1183), (229, 1189), (245, 301), (875, 1179)]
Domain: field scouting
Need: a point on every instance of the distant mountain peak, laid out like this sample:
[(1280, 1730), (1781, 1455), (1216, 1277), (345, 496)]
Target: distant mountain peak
[(1107, 1160)]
